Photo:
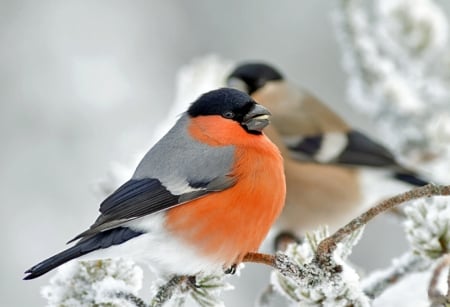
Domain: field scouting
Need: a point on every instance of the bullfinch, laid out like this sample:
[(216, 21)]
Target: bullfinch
[(329, 165), (202, 197)]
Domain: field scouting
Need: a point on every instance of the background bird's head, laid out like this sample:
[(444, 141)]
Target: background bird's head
[(232, 104), (250, 77)]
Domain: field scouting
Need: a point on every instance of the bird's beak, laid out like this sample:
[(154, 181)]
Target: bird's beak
[(257, 118)]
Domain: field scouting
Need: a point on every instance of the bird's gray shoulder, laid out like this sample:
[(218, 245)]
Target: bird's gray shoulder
[(178, 159)]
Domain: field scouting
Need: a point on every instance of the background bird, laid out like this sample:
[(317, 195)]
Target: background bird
[(204, 196), (333, 171)]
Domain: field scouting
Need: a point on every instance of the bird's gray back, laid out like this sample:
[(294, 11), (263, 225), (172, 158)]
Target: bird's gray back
[(178, 159)]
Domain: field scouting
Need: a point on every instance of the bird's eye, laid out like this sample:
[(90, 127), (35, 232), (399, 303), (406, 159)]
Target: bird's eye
[(228, 114)]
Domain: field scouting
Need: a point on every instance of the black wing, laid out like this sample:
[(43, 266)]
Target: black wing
[(137, 198), (359, 150)]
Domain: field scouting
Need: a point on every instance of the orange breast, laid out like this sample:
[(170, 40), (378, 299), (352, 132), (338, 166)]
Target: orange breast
[(225, 225)]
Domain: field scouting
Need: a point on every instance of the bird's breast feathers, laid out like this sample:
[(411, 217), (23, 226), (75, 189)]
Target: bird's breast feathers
[(230, 223)]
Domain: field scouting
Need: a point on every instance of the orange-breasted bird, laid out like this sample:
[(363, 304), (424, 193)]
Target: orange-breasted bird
[(203, 197), (332, 171)]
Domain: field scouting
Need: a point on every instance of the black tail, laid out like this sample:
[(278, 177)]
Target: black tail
[(410, 178), (103, 239)]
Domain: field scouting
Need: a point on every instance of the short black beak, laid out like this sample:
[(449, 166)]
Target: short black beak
[(256, 119)]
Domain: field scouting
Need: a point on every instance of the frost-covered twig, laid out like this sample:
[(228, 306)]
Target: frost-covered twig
[(131, 298), (301, 280), (203, 289), (375, 284), (166, 291), (435, 296), (95, 283), (327, 246)]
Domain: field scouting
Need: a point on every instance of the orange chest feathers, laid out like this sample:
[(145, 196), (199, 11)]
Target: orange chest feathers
[(225, 225)]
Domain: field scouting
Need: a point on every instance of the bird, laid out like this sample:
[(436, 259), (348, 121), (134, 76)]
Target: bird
[(330, 166), (205, 195)]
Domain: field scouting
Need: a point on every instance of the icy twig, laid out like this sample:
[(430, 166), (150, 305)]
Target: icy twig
[(329, 245), (378, 282), (166, 291), (435, 296), (283, 264), (131, 298)]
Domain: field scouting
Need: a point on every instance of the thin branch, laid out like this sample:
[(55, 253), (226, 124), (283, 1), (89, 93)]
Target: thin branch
[(166, 291), (377, 283), (434, 295), (131, 298), (266, 259), (328, 245)]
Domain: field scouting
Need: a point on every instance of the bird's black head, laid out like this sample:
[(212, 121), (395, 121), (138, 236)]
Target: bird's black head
[(234, 105), (252, 76)]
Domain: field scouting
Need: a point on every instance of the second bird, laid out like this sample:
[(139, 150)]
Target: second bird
[(330, 167)]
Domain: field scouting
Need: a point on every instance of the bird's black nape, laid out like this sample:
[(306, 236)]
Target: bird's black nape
[(221, 102), (254, 75)]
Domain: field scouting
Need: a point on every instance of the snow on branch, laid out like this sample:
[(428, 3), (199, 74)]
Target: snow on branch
[(396, 58), (95, 283)]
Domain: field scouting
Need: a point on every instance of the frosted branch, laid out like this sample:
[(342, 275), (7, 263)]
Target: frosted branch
[(130, 298), (378, 282), (434, 294), (166, 291), (328, 246)]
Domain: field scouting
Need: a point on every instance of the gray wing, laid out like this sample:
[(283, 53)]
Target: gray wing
[(176, 170)]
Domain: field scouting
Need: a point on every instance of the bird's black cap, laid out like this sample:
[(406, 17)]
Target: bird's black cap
[(234, 105), (221, 102), (254, 75)]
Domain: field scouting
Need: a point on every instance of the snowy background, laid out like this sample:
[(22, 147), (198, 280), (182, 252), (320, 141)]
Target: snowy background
[(84, 84)]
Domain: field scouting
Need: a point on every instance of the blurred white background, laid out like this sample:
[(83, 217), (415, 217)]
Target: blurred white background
[(85, 83)]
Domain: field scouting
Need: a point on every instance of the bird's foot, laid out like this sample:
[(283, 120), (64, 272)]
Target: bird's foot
[(231, 269)]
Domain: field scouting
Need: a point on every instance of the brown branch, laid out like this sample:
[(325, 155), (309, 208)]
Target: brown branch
[(328, 245), (434, 295), (266, 259)]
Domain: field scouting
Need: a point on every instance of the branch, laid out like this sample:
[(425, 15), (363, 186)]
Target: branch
[(266, 259), (377, 282), (328, 245), (131, 298), (434, 295), (166, 291)]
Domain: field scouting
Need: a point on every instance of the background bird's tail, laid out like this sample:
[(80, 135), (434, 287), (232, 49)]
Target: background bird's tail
[(86, 245)]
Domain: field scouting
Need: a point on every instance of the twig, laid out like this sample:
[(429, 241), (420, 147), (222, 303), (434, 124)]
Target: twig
[(376, 283), (131, 298), (166, 291), (328, 245), (434, 295), (266, 259)]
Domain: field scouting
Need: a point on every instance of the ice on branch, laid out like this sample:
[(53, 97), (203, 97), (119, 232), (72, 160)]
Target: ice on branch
[(95, 283), (396, 57), (204, 290), (327, 288), (428, 226)]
